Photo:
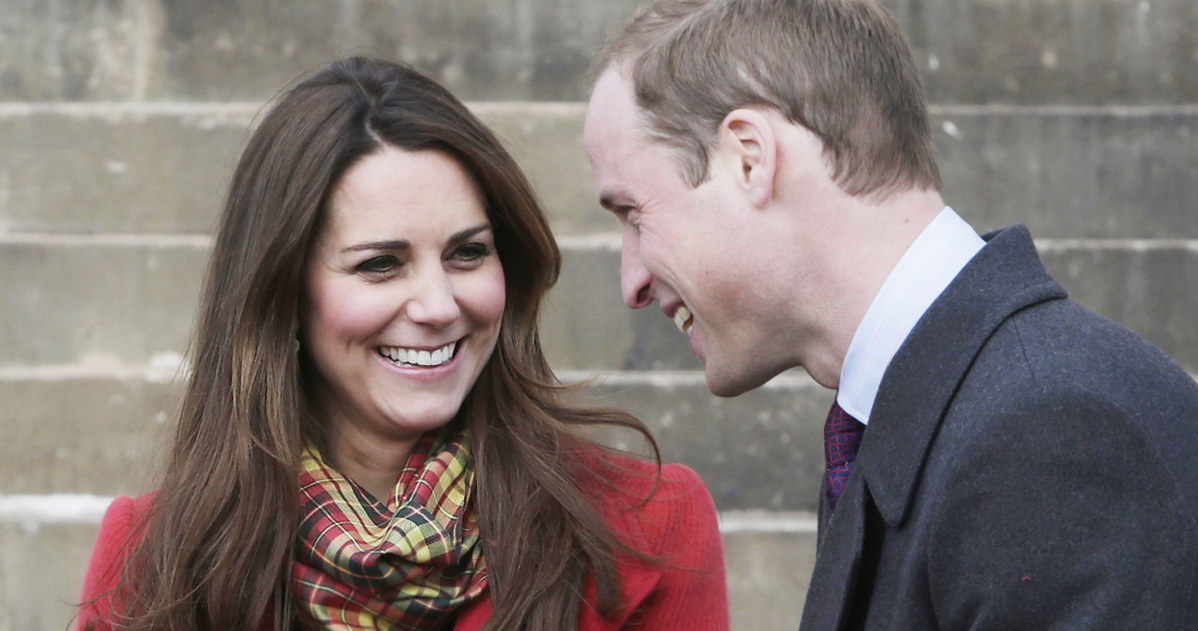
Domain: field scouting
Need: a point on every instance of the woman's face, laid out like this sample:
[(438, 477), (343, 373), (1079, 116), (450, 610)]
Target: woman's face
[(404, 296)]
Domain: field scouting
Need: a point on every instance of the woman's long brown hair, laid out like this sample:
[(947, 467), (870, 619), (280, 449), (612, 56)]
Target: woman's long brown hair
[(217, 548)]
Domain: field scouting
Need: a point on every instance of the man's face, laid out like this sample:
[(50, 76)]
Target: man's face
[(693, 250)]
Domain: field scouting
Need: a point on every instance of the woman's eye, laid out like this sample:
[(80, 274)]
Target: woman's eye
[(378, 265), (471, 252)]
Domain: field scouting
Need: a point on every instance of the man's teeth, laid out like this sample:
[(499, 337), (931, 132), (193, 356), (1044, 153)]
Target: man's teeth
[(413, 357), (683, 319)]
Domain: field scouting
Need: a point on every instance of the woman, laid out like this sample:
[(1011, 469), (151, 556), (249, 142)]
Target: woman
[(368, 330)]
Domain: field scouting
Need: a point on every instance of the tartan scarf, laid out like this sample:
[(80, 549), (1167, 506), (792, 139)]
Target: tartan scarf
[(362, 565)]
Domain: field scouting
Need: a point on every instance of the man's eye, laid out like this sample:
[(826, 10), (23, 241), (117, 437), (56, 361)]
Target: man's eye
[(629, 215), (378, 265)]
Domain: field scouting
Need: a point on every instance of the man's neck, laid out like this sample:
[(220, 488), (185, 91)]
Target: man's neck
[(874, 238), (929, 265)]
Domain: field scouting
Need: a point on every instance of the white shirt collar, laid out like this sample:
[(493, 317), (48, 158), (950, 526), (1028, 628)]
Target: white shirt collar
[(928, 266)]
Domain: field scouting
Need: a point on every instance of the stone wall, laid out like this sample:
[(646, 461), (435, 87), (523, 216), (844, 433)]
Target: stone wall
[(120, 121)]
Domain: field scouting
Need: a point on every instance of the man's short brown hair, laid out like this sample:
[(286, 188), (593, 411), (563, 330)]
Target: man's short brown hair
[(840, 68)]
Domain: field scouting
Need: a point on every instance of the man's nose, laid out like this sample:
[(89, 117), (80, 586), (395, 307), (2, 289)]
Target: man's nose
[(636, 283)]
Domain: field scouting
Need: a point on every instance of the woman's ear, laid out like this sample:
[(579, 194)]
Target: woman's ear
[(751, 149)]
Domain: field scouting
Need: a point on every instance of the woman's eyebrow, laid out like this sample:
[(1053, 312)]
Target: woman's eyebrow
[(462, 235), (392, 244), (404, 244)]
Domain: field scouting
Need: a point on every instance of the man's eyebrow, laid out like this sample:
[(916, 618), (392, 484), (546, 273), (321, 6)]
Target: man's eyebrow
[(608, 201)]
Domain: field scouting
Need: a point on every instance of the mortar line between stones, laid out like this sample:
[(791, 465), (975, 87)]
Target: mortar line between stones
[(611, 241), (107, 109), (601, 242), (78, 508), (108, 239), (167, 367)]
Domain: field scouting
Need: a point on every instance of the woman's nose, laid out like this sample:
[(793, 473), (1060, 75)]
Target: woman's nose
[(434, 302)]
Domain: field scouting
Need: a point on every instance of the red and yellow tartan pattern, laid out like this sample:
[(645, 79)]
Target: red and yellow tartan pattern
[(404, 565)]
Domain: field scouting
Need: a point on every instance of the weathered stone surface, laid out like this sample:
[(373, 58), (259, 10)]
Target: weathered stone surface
[(125, 116), (1072, 173), (768, 575), (546, 140), (1054, 51), (586, 325), (42, 566), (64, 304), (1153, 291), (41, 573), (761, 450), (109, 435), (245, 50), (118, 168), (165, 168), (1068, 173), (87, 49), (97, 435), (123, 304), (1146, 285), (1037, 51)]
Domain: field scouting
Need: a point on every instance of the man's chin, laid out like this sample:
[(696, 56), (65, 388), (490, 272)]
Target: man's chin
[(732, 383)]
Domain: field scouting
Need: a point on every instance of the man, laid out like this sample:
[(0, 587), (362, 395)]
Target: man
[(1026, 464)]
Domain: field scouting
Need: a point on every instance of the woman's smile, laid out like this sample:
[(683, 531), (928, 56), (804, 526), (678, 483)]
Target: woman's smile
[(405, 294)]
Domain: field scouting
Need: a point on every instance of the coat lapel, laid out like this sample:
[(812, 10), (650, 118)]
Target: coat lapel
[(917, 389), (918, 386), (838, 559)]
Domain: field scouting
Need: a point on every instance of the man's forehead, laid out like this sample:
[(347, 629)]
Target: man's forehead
[(612, 105)]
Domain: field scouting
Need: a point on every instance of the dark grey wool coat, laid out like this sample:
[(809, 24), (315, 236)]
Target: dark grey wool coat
[(1028, 465)]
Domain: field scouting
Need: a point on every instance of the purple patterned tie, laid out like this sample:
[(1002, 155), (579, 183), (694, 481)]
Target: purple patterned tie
[(842, 436)]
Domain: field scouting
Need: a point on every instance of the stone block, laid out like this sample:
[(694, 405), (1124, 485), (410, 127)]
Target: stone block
[(1145, 285), (1066, 172), (41, 573), (85, 434), (546, 140), (133, 304), (42, 566), (1072, 173), (64, 303), (1149, 289), (110, 435), (1033, 51), (161, 168), (762, 450), (768, 574), (117, 168), (243, 50), (1054, 51)]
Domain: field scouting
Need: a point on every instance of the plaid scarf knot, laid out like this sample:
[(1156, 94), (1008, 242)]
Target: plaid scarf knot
[(361, 564)]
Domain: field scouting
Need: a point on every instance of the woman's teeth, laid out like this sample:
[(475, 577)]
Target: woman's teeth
[(413, 357), (683, 319)]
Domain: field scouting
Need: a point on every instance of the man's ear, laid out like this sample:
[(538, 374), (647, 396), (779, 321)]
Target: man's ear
[(751, 149)]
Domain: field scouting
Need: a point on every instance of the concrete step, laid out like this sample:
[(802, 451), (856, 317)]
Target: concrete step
[(1101, 172), (1026, 51), (43, 554), (105, 431), (129, 299)]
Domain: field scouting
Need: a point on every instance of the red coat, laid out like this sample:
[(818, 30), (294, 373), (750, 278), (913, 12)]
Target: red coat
[(684, 591)]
